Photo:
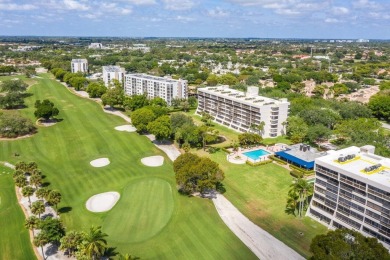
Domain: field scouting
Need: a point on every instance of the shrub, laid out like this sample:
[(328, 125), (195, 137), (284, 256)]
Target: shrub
[(296, 174), (258, 163), (303, 171), (226, 149), (276, 159)]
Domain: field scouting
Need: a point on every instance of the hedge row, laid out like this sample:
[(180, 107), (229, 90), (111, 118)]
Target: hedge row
[(296, 174), (225, 149), (258, 163), (274, 158), (303, 171)]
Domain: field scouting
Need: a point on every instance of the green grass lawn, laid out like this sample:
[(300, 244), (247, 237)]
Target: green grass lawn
[(260, 193), (14, 237), (151, 200), (175, 226)]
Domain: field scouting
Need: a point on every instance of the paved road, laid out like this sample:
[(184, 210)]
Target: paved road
[(260, 242), (385, 125)]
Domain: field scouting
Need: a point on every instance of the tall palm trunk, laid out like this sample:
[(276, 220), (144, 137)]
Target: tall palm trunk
[(43, 254)]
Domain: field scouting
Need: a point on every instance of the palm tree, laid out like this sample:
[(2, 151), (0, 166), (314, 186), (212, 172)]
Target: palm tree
[(21, 181), (42, 193), (31, 223), (38, 208), (21, 166), (95, 243), (260, 127), (54, 197), (284, 124), (36, 180), (304, 190), (71, 241), (27, 191), (18, 173), (292, 202), (31, 167), (40, 240)]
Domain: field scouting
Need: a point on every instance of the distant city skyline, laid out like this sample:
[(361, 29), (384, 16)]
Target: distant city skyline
[(324, 19)]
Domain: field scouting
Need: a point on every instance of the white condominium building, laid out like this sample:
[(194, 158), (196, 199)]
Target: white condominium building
[(239, 110), (352, 190), (79, 65), (95, 45), (112, 72), (152, 86)]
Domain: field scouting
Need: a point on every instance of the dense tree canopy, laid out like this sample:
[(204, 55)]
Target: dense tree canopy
[(160, 128), (52, 228), (196, 174), (96, 89), (380, 105), (113, 97), (135, 102), (13, 125), (12, 100), (248, 139), (13, 86), (140, 118), (45, 109), (347, 244)]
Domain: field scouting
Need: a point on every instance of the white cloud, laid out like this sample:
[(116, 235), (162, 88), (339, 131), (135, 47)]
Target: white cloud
[(218, 12), (16, 7), (287, 12), (255, 2), (339, 10), (287, 7), (74, 5), (178, 5), (141, 2), (184, 18), (379, 15), (366, 4), (331, 20)]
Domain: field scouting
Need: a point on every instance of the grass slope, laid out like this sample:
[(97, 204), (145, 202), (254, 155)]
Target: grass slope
[(263, 201), (63, 152), (14, 238)]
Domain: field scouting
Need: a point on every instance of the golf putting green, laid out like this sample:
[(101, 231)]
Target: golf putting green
[(145, 208)]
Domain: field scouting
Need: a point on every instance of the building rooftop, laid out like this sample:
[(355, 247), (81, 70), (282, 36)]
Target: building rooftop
[(250, 98), (301, 154), (79, 60), (360, 162), (112, 69), (150, 77)]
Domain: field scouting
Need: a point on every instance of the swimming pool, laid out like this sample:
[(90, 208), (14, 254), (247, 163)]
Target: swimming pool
[(256, 154)]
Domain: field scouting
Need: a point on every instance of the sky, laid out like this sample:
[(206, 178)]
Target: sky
[(323, 19)]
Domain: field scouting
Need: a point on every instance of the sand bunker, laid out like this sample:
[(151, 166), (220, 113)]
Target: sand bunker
[(153, 161), (102, 202), (126, 128), (101, 162)]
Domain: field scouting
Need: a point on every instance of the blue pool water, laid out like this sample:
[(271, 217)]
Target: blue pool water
[(256, 154)]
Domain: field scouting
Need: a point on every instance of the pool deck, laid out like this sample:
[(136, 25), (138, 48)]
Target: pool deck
[(239, 157)]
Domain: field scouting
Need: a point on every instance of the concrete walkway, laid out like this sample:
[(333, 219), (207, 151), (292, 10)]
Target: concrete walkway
[(260, 242)]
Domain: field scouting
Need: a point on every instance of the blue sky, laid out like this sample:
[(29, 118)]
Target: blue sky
[(198, 18)]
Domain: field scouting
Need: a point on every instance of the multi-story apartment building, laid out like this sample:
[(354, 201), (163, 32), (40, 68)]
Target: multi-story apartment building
[(352, 190), (152, 86), (79, 65), (112, 72), (239, 111)]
